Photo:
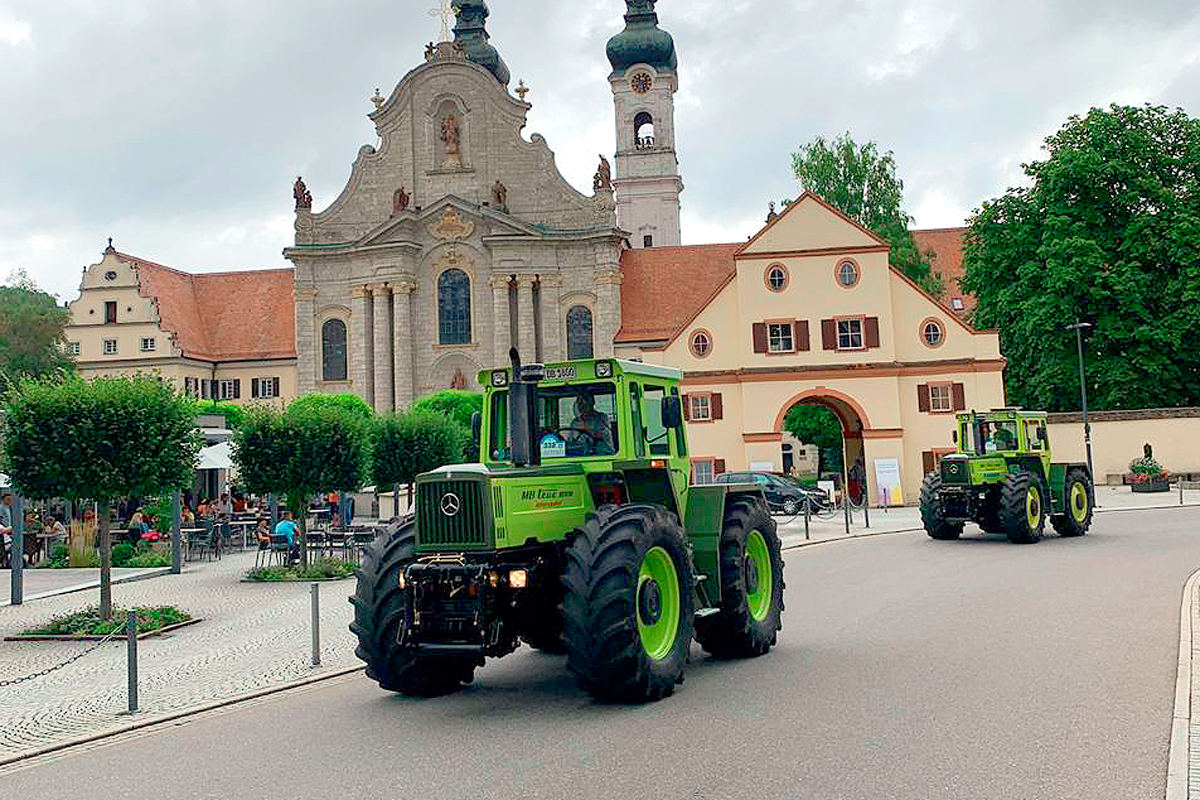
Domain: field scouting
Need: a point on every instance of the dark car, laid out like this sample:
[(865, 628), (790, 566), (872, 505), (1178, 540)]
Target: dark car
[(783, 493)]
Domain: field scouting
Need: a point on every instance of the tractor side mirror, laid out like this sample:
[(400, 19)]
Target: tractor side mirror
[(954, 436), (672, 412), (1041, 435), (476, 426)]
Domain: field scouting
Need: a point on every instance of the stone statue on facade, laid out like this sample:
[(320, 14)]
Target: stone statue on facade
[(450, 139), (301, 195), (500, 196), (771, 212), (400, 200), (459, 381), (603, 178), (430, 51)]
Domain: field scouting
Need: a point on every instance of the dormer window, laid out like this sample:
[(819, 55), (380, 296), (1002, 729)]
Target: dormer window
[(110, 312)]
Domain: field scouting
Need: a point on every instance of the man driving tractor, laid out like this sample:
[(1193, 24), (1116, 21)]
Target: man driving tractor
[(593, 426)]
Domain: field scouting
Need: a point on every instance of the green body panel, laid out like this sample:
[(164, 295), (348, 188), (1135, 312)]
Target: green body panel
[(704, 520)]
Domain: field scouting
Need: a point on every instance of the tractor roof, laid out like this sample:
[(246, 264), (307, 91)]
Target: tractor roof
[(585, 369)]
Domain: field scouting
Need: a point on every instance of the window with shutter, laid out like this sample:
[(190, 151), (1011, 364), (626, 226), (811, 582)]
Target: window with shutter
[(927, 460), (941, 400), (275, 387), (687, 408), (829, 334), (802, 340), (759, 334), (716, 406), (923, 397), (718, 466), (960, 397), (871, 328), (254, 388)]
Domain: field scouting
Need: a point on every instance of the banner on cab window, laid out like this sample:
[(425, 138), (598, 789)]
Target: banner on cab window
[(887, 480)]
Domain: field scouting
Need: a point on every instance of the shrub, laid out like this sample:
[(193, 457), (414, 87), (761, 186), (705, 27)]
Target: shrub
[(121, 554), (90, 621), (149, 558)]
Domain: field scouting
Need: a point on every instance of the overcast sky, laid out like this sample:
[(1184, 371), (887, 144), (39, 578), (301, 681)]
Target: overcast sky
[(178, 126)]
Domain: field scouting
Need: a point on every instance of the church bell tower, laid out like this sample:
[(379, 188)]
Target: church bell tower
[(644, 81)]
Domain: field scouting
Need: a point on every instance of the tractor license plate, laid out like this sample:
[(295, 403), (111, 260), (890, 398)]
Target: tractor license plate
[(560, 373)]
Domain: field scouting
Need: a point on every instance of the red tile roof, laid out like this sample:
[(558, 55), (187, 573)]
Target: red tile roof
[(223, 316), (944, 246), (665, 288)]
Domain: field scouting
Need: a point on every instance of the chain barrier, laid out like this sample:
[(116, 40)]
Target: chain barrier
[(56, 667)]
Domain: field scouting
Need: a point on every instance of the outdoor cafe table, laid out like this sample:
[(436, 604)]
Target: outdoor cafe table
[(186, 535)]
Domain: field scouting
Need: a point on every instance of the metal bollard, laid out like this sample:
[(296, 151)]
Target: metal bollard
[(131, 633), (1181, 490), (806, 514), (846, 507), (315, 592), (866, 510)]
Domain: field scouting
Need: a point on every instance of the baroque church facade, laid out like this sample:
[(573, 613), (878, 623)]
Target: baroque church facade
[(456, 238)]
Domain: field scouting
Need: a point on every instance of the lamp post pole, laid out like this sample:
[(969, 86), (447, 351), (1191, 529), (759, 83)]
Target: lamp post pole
[(1079, 328)]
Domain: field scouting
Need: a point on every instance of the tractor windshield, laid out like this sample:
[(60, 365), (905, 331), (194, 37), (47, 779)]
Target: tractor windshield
[(572, 422), (999, 436)]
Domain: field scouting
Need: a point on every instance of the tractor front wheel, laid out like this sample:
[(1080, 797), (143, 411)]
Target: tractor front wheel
[(628, 603), (751, 585), (933, 516), (1078, 512), (379, 606), (1022, 508)]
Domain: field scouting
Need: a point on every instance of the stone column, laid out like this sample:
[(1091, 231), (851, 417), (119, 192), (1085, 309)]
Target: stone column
[(402, 342), (607, 318), (381, 312), (553, 324), (526, 319), (362, 370), (501, 335), (308, 341)]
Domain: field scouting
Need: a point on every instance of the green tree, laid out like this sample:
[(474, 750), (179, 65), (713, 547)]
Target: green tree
[(309, 449), (233, 413), (411, 443), (1107, 232), (32, 326), (817, 426), (460, 406), (350, 403), (862, 184), (99, 440)]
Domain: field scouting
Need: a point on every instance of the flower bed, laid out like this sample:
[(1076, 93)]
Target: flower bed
[(1146, 475), (89, 622), (327, 569)]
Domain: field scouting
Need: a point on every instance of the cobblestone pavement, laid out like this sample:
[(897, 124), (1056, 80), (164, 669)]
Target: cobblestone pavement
[(253, 636)]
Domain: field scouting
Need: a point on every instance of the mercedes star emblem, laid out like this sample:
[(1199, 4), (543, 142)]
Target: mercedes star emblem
[(450, 504)]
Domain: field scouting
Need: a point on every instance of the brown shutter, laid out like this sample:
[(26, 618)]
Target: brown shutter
[(717, 409), (829, 334), (253, 387), (237, 389), (802, 342), (759, 333), (923, 397), (927, 460), (960, 397), (871, 332), (687, 409), (718, 466), (275, 385)]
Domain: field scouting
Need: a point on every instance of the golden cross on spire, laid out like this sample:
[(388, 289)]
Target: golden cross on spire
[(445, 10)]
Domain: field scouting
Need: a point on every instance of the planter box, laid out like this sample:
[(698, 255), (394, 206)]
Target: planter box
[(1150, 487)]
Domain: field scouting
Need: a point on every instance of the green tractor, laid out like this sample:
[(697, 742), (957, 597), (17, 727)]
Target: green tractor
[(579, 534), (1002, 478)]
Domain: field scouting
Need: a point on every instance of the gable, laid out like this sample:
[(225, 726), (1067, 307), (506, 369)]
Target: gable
[(810, 224)]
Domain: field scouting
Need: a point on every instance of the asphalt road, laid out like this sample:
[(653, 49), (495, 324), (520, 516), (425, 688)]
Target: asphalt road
[(907, 668)]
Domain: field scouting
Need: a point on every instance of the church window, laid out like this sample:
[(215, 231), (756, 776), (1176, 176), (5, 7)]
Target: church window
[(643, 130), (847, 274), (454, 307), (579, 333), (333, 350), (777, 277), (700, 343), (931, 333)]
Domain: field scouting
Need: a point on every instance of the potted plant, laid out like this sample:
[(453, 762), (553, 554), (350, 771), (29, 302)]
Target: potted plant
[(1147, 475)]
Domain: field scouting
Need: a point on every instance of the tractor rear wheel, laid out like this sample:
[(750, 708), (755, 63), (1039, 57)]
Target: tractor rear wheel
[(751, 585), (933, 516), (379, 606), (628, 603), (1077, 516), (1022, 508)]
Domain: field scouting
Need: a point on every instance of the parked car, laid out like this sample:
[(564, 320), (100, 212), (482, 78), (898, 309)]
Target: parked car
[(784, 493)]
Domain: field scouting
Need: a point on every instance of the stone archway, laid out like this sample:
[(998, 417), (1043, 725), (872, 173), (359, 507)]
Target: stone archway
[(854, 421)]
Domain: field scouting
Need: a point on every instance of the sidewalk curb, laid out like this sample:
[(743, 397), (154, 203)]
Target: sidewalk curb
[(174, 715), (1178, 755), (869, 535), (83, 587)]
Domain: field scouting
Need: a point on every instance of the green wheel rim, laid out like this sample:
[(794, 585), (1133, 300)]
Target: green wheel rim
[(1079, 502), (658, 586), (1033, 507), (758, 560)]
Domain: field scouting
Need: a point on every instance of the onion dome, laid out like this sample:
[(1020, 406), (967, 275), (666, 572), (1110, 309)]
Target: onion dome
[(642, 41), (471, 33)]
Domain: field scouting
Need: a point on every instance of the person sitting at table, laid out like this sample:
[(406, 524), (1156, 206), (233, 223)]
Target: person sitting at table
[(287, 527), (203, 508), (137, 527), (225, 508), (186, 515), (239, 503)]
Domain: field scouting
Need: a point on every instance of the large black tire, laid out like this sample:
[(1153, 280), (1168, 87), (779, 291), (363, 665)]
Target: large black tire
[(1022, 507), (734, 632), (379, 604), (932, 515), (1078, 503), (603, 600), (989, 514)]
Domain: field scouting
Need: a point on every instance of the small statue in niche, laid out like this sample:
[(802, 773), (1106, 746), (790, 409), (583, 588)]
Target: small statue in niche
[(1148, 450), (301, 194), (459, 381), (500, 196), (400, 200), (603, 178), (450, 139)]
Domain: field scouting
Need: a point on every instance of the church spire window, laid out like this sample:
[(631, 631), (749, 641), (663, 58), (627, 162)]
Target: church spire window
[(454, 307), (579, 333)]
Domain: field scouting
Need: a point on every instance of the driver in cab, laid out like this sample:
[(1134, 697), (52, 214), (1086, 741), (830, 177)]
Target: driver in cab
[(594, 431)]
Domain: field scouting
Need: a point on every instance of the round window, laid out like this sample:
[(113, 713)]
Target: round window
[(932, 333), (701, 343), (847, 273), (111, 275), (777, 277)]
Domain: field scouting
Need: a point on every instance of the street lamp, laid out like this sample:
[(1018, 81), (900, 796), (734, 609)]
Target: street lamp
[(1079, 328)]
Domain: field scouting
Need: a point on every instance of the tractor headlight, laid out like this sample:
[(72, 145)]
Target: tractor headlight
[(604, 369), (518, 578), (402, 581), (500, 377), (493, 579)]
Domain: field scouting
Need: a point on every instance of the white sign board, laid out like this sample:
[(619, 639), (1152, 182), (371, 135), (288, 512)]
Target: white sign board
[(828, 488), (887, 481), (762, 466)]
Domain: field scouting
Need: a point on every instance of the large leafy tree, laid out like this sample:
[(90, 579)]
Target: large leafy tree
[(819, 427), (99, 440), (460, 406), (862, 183), (31, 332), (413, 442), (1108, 233)]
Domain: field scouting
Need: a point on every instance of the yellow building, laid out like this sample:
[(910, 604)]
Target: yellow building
[(807, 311), (228, 336)]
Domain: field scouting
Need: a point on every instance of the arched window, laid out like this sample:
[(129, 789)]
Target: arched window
[(454, 307), (333, 350), (643, 129), (579, 333)]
